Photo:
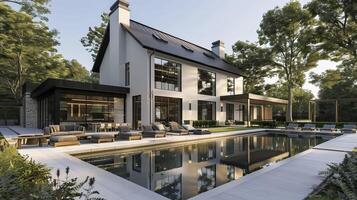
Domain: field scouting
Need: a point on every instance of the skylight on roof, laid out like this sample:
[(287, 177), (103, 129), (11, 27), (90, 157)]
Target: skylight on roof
[(187, 48), (159, 38), (208, 55)]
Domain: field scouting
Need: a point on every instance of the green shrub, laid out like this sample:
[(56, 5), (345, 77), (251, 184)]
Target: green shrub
[(341, 180), (24, 179), (205, 123), (320, 124)]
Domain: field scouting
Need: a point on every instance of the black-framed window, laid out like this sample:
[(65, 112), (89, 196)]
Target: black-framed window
[(168, 109), (231, 85), (167, 75), (206, 151), (206, 178), (127, 74), (206, 110), (206, 82), (136, 160), (170, 187), (229, 111), (136, 111)]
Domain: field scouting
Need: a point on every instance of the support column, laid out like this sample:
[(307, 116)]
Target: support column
[(309, 111), (248, 112), (336, 117), (315, 109), (262, 113)]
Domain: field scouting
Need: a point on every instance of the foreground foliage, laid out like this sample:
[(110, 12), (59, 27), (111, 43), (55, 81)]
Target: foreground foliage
[(24, 179), (341, 180)]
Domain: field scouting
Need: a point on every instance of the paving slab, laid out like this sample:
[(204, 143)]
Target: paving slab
[(293, 178), (344, 143)]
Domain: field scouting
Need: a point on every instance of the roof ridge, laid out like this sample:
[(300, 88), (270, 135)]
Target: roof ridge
[(174, 36)]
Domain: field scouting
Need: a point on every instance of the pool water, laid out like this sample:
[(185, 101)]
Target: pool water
[(181, 171)]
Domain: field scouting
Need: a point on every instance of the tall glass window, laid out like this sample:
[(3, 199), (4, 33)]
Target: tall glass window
[(206, 151), (167, 75), (168, 109), (230, 86), (206, 82), (127, 74), (206, 110), (229, 111), (136, 111)]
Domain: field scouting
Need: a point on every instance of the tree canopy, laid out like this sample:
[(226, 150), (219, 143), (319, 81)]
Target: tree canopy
[(289, 33), (255, 62), (28, 53)]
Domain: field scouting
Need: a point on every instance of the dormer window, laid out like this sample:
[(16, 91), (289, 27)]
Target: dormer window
[(159, 38), (208, 55), (187, 48)]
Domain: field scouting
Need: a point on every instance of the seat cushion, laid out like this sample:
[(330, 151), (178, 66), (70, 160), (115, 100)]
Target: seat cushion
[(131, 133), (124, 129), (147, 128), (103, 136), (64, 138), (159, 127)]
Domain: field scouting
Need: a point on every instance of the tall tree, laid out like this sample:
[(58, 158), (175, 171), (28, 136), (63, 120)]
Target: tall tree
[(95, 35), (28, 53), (337, 26), (288, 31), (255, 62), (35, 8)]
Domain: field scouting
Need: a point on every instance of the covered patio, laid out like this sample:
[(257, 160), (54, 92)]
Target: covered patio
[(262, 105)]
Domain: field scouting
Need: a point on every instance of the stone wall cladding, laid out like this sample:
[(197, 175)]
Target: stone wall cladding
[(30, 111)]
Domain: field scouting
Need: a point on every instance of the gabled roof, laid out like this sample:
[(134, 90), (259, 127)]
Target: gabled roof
[(162, 42)]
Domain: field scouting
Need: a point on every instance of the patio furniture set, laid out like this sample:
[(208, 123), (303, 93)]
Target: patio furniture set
[(347, 128), (67, 135)]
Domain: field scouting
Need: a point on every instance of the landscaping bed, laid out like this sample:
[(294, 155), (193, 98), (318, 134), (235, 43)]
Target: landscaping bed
[(226, 129)]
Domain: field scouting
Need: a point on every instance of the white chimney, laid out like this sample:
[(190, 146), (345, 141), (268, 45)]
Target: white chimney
[(116, 51), (219, 49)]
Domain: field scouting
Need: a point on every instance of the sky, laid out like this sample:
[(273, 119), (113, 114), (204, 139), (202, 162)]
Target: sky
[(199, 21)]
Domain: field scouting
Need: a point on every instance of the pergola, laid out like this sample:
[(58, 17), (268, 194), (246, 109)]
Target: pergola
[(254, 99)]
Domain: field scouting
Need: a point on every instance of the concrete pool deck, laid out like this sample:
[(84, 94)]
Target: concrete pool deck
[(292, 178)]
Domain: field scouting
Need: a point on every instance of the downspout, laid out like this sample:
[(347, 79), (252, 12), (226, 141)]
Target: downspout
[(150, 87)]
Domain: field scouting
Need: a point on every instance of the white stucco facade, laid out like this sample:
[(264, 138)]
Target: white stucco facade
[(123, 48)]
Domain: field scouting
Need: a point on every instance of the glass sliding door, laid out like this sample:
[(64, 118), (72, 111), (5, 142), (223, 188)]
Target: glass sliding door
[(206, 110), (229, 111), (168, 109), (136, 111)]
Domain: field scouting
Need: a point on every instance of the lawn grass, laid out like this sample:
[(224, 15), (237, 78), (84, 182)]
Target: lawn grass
[(226, 129)]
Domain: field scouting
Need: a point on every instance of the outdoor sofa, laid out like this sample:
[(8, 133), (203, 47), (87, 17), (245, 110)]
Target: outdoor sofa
[(126, 134), (196, 131), (64, 135), (149, 131), (176, 128), (349, 128)]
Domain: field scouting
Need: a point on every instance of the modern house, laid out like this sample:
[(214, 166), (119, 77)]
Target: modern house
[(147, 75)]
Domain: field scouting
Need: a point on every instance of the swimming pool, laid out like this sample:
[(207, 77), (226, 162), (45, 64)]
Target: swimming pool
[(181, 171)]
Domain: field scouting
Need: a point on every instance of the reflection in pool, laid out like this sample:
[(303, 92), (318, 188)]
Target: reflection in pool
[(183, 171)]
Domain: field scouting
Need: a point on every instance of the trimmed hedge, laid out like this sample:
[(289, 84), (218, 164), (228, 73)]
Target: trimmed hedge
[(205, 123), (265, 124)]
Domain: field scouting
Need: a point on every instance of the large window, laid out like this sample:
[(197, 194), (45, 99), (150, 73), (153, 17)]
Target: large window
[(206, 82), (127, 74), (230, 85), (206, 110), (168, 109), (229, 111), (170, 187), (136, 160), (136, 111), (167, 75), (89, 109), (206, 178), (206, 151)]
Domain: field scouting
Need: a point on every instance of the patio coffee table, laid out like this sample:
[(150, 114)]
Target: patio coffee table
[(38, 138)]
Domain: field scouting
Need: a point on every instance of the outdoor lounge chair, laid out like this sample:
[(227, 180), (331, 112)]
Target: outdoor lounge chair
[(177, 128), (126, 134), (293, 126), (64, 140), (349, 128), (309, 127), (102, 137), (148, 131), (196, 131), (329, 127)]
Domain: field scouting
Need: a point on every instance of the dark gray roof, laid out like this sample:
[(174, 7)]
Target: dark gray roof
[(159, 41)]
